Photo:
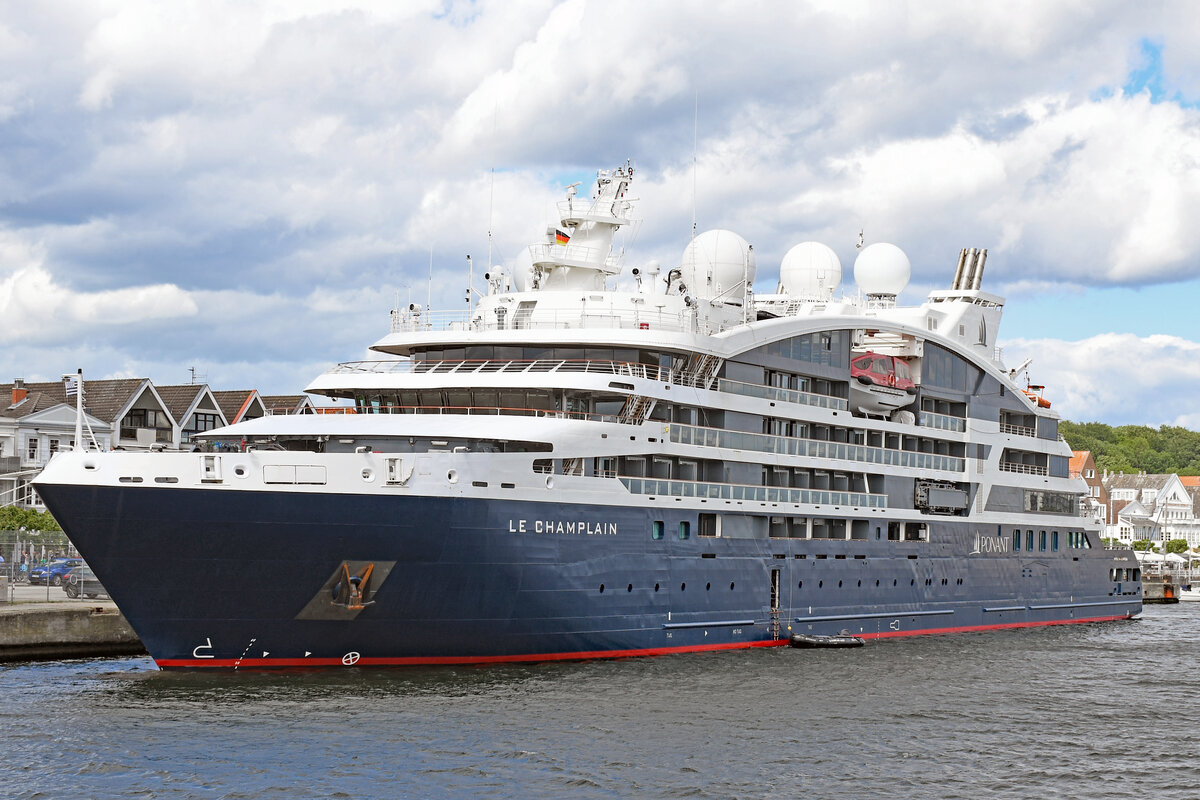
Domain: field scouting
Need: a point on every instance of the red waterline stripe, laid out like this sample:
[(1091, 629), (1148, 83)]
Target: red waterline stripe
[(583, 655)]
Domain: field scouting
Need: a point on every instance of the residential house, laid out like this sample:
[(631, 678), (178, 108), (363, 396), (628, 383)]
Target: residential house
[(194, 408), (1083, 465), (288, 404), (239, 405), (1154, 507), (36, 421)]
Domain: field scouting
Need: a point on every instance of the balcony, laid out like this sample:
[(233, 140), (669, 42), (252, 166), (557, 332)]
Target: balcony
[(764, 494)]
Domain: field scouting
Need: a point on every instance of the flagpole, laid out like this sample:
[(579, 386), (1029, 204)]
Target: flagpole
[(79, 409)]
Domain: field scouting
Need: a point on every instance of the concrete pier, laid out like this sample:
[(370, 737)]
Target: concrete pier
[(33, 631)]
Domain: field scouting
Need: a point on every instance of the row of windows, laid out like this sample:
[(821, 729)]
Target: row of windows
[(1076, 540), (828, 348)]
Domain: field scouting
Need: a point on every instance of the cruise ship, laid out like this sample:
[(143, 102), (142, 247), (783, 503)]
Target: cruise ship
[(592, 460)]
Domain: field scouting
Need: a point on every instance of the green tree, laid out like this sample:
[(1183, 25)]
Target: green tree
[(1177, 546), (13, 518), (1143, 545)]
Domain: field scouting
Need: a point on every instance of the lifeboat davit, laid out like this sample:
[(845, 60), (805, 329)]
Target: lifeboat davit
[(1034, 393)]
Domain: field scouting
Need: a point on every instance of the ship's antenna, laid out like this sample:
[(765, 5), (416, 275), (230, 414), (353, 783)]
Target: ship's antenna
[(695, 139), (491, 205), (429, 289), (860, 239), (470, 286)]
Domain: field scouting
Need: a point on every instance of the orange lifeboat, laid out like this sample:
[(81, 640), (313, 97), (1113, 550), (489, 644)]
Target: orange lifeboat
[(1034, 393)]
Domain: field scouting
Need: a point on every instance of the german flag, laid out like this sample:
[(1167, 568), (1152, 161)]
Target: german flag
[(561, 236)]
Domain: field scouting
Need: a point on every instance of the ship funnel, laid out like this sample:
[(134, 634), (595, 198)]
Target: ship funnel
[(969, 273), (982, 257), (958, 272)]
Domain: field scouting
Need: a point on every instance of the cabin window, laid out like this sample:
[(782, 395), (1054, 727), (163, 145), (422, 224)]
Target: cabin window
[(1054, 541), (1042, 540), (1029, 541), (1017, 541), (685, 529), (709, 525), (656, 529)]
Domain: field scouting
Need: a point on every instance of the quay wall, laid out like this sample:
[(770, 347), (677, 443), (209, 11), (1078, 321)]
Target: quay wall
[(64, 630)]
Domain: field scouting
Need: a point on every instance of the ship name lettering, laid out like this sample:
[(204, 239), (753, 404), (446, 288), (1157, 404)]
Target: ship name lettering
[(576, 527)]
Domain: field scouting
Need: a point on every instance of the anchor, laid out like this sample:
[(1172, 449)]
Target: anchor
[(353, 591)]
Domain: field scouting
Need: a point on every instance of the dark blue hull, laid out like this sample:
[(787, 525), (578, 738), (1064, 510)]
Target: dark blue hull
[(211, 578)]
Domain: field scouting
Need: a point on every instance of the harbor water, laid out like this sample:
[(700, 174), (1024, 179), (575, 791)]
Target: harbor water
[(1098, 710)]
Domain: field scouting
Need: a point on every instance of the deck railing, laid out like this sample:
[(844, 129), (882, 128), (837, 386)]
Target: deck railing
[(1017, 430), (1024, 469), (813, 448), (943, 422), (765, 494)]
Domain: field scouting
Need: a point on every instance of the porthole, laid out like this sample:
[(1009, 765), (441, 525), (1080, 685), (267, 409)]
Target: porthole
[(820, 584), (550, 482), (877, 581), (629, 588), (452, 476), (656, 587), (893, 581), (731, 586), (602, 588), (800, 585), (860, 584), (240, 471), (707, 586), (682, 586), (368, 475)]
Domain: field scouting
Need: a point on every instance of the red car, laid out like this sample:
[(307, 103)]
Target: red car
[(883, 370)]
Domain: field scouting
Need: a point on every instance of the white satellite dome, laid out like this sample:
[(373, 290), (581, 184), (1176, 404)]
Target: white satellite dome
[(715, 264), (810, 269), (522, 271), (882, 269)]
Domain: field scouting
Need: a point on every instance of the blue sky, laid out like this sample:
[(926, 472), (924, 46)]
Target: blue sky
[(246, 187)]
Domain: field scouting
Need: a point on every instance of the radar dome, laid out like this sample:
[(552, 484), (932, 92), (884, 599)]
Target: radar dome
[(716, 263), (882, 269), (810, 269)]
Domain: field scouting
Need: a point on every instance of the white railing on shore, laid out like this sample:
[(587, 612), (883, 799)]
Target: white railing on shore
[(766, 494), (813, 448)]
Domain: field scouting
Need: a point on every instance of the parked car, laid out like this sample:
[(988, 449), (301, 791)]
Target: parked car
[(82, 581), (55, 572)]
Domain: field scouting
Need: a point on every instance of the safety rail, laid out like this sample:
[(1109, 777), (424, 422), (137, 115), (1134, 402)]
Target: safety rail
[(813, 448), (943, 422), (1024, 469), (486, 411), (764, 392), (766, 494), (587, 316), (1017, 430), (510, 366)]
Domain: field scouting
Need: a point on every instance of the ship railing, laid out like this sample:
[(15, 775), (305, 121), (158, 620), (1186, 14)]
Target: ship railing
[(766, 494), (813, 448), (782, 395), (943, 422), (1024, 469), (1017, 430), (543, 319), (572, 254), (541, 365), (485, 411)]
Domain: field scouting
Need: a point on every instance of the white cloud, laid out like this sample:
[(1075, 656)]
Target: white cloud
[(287, 166), (1117, 378)]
